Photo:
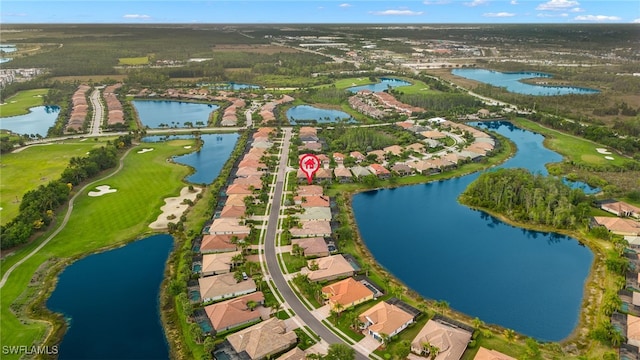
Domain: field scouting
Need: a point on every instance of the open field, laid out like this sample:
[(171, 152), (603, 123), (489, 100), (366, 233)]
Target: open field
[(141, 60), (349, 82), (19, 174), (90, 78), (98, 223), (254, 48), (21, 102)]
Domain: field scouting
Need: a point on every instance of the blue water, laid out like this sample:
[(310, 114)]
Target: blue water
[(229, 86), (7, 48), (384, 84), (37, 121), (529, 281), (112, 299), (153, 113), (511, 81), (209, 160), (307, 112)]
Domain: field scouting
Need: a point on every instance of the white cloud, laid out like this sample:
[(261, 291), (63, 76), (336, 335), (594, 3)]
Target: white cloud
[(137, 16), (397, 12), (345, 5), (500, 14), (436, 2), (577, 9), (597, 18), (476, 3), (514, 2), (547, 15), (557, 5), (636, 21)]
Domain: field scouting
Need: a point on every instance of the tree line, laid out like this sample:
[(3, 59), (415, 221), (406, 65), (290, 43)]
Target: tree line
[(38, 206), (529, 198)]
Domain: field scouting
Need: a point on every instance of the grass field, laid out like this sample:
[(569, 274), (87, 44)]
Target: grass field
[(20, 103), (19, 175), (576, 149), (97, 223), (142, 60), (349, 82)]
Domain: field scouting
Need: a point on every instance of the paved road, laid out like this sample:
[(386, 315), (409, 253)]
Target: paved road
[(272, 261), (98, 112)]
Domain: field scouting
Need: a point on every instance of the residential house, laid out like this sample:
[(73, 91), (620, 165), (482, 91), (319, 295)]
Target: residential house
[(217, 263), (312, 228), (312, 201), (379, 171), (633, 330), (316, 213), (236, 200), (311, 146), (393, 149), (450, 339), (309, 190), (263, 340), (312, 247), (338, 157), (402, 169), (219, 243), (294, 354), (343, 175), (619, 226), (233, 211), (486, 354), (239, 189), (620, 208), (347, 293), (384, 318), (230, 314), (433, 134), (380, 155), (324, 160), (359, 171), (246, 171), (230, 226), (308, 134), (254, 181), (416, 147), (358, 156), (328, 268), (423, 167), (224, 286), (324, 175)]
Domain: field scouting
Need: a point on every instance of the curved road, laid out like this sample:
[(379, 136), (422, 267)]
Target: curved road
[(64, 221), (272, 262)]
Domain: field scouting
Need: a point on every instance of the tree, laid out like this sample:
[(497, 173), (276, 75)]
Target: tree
[(340, 351), (510, 335), (196, 332), (403, 349), (385, 339), (251, 305), (442, 306)]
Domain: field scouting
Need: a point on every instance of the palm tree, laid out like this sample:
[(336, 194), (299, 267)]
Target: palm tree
[(258, 280), (236, 260), (338, 308), (443, 306), (477, 323), (251, 305), (385, 339), (510, 335)]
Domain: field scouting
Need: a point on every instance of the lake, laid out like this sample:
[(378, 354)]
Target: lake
[(212, 156), (529, 281), (511, 81), (305, 113), (155, 113), (37, 121), (383, 85), (111, 302)]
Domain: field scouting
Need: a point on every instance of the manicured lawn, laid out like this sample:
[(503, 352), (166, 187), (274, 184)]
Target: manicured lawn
[(142, 60), (98, 223), (576, 149), (349, 82), (20, 103), (19, 174)]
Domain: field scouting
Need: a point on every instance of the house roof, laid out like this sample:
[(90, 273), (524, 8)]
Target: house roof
[(433, 134), (218, 262), (254, 181), (338, 156), (324, 174), (618, 225), (239, 189), (294, 354), (486, 354), (619, 207), (312, 228), (357, 155), (263, 339), (401, 168), (359, 171), (633, 327), (245, 171), (313, 200), (315, 213), (386, 318), (312, 246), (329, 266), (394, 149), (232, 211), (378, 169), (228, 226), (233, 312), (347, 291), (307, 190), (235, 199), (452, 341), (223, 285), (219, 243)]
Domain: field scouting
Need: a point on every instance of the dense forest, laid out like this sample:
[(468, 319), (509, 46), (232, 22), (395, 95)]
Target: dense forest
[(529, 198), (38, 206)]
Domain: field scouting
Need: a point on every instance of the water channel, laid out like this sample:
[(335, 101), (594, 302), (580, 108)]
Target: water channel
[(37, 121), (529, 281)]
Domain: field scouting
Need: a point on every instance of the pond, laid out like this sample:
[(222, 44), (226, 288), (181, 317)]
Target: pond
[(37, 121), (384, 84), (111, 303), (231, 86), (529, 281), (212, 156), (511, 81), (160, 113), (303, 114)]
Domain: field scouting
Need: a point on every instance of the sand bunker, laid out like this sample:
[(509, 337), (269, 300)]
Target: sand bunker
[(174, 206), (101, 190), (603, 151), (609, 157), (187, 146), (145, 150)]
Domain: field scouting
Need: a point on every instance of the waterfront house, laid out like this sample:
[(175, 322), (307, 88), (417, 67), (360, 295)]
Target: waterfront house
[(263, 340), (230, 314), (380, 155), (486, 354), (359, 171), (312, 201), (239, 189), (236, 199), (233, 211), (309, 190), (358, 156), (347, 293), (450, 339), (633, 330), (255, 181), (246, 171), (619, 208), (385, 318), (219, 243), (229, 226), (224, 286), (324, 175), (313, 228), (328, 268), (379, 171), (619, 226), (393, 149), (312, 247), (317, 213), (343, 175), (402, 169), (218, 263)]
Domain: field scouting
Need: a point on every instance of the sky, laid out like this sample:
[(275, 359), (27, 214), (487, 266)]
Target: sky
[(327, 11)]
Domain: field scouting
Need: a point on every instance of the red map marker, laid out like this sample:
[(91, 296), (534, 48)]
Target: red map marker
[(309, 164)]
